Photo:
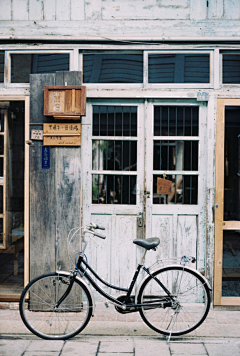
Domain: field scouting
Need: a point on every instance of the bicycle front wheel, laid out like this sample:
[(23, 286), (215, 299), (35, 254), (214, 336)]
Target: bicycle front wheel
[(181, 312), (38, 307)]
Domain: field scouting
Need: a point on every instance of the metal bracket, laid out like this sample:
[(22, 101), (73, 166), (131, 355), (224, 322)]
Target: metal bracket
[(140, 220)]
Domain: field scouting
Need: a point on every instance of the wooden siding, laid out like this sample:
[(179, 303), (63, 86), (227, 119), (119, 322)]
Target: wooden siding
[(119, 19)]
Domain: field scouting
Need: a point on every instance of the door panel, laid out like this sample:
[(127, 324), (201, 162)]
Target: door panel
[(227, 209)]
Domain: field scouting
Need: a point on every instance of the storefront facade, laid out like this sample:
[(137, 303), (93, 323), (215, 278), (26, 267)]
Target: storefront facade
[(162, 101)]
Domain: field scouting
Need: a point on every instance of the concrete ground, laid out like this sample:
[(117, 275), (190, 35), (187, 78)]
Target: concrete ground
[(110, 334)]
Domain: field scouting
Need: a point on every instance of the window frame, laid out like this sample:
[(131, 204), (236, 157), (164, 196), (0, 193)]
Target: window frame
[(179, 85), (222, 52), (7, 72)]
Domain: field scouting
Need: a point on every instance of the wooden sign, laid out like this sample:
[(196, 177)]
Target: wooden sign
[(62, 134), (67, 102), (164, 186)]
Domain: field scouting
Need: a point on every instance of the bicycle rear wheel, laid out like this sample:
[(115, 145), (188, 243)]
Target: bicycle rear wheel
[(186, 310), (38, 312)]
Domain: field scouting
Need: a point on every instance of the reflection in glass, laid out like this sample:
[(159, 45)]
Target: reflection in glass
[(231, 264), (2, 120), (112, 68), (184, 190), (175, 155), (231, 68), (22, 65), (1, 230), (176, 121), (179, 68), (114, 120), (232, 164), (2, 55), (1, 144), (1, 198), (113, 189), (114, 155)]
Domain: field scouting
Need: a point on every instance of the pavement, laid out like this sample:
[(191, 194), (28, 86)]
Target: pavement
[(112, 334)]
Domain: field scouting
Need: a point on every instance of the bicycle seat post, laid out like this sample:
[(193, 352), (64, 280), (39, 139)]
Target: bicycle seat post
[(143, 258)]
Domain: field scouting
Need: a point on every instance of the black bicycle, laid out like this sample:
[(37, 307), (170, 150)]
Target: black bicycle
[(172, 300)]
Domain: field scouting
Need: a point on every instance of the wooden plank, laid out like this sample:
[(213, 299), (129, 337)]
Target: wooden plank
[(5, 10), (49, 10), (187, 235), (35, 10), (62, 140), (218, 250), (63, 10), (42, 202), (77, 10), (231, 225), (20, 10), (120, 10), (62, 128)]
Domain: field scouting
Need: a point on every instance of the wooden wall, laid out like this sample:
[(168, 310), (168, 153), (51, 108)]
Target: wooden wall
[(54, 192), (136, 19)]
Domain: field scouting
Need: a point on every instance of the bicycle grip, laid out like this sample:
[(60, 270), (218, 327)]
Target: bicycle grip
[(100, 227), (99, 235)]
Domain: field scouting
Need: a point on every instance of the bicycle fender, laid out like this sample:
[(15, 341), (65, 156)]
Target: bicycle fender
[(83, 282), (162, 268)]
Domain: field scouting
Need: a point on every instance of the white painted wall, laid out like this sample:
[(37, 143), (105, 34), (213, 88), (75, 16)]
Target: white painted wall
[(119, 19)]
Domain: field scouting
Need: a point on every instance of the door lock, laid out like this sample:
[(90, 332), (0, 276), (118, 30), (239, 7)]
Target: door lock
[(140, 220)]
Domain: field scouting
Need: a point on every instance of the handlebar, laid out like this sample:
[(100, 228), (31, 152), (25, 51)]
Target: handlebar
[(89, 229)]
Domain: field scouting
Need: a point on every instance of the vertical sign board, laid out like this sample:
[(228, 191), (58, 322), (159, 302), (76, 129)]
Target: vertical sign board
[(45, 157)]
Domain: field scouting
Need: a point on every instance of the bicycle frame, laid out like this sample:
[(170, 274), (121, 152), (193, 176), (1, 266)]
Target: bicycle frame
[(128, 291)]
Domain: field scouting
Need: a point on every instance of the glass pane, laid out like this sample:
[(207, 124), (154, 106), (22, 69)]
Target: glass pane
[(176, 121), (112, 68), (2, 53), (231, 264), (114, 155), (1, 199), (178, 68), (114, 120), (1, 145), (22, 65), (2, 120), (114, 189), (232, 164), (175, 155), (1, 230), (231, 68), (184, 190)]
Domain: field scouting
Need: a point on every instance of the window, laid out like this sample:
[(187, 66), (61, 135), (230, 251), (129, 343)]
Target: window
[(114, 155), (175, 151), (112, 68), (178, 68), (231, 68), (2, 55), (22, 65)]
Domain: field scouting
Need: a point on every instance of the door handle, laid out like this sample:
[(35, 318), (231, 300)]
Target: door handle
[(140, 220)]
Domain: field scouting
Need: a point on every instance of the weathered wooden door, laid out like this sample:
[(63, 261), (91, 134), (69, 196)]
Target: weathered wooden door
[(227, 204), (126, 146)]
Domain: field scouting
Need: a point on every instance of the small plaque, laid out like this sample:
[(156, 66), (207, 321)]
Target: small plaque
[(66, 101), (202, 96), (164, 186), (36, 134), (71, 129), (45, 157), (62, 140)]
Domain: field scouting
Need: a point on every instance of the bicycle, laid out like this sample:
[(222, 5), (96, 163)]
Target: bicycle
[(172, 300)]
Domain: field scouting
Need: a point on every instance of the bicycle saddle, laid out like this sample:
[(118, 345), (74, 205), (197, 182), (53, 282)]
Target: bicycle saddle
[(148, 244)]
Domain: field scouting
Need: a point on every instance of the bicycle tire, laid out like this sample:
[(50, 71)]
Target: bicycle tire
[(37, 304), (191, 306)]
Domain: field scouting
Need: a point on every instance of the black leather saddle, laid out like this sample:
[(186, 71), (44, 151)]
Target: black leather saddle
[(148, 244)]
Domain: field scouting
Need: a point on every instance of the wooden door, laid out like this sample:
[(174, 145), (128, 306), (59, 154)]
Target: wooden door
[(176, 141), (227, 204), (113, 185)]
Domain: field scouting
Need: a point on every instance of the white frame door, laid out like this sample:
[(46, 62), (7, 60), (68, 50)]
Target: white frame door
[(181, 228)]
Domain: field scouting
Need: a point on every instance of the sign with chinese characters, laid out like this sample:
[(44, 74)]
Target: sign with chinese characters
[(62, 134), (68, 102), (164, 186), (45, 157), (37, 134)]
